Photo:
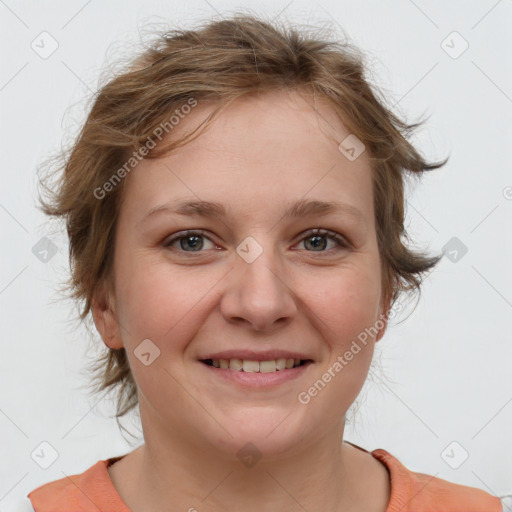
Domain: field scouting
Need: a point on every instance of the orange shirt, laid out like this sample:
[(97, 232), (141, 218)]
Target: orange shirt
[(93, 491)]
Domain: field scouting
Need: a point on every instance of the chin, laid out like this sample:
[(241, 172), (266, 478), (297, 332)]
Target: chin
[(266, 433)]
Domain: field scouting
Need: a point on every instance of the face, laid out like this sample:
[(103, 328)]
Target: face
[(195, 284)]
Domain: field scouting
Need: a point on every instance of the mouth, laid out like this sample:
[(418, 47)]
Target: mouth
[(256, 366), (254, 374)]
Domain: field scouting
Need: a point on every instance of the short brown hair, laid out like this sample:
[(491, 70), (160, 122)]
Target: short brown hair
[(219, 62)]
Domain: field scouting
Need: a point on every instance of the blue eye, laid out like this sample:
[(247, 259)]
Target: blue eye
[(194, 240), (318, 234)]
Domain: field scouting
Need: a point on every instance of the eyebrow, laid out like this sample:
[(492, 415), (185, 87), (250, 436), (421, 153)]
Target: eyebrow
[(301, 208)]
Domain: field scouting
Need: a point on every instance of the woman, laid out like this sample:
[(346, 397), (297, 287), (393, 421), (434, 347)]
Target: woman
[(234, 205)]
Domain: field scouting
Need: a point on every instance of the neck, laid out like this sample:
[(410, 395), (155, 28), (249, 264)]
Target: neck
[(174, 468), (320, 476)]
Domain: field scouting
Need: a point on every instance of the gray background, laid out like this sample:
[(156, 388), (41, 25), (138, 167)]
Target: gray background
[(446, 368)]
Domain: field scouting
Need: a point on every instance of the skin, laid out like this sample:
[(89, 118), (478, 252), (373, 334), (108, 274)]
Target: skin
[(262, 153)]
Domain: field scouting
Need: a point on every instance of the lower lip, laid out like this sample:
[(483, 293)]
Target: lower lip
[(258, 379)]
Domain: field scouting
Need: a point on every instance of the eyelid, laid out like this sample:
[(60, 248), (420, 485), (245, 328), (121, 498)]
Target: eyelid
[(186, 233), (333, 235), (342, 241)]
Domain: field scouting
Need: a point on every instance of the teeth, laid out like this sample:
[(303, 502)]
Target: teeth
[(256, 366), (267, 366), (251, 366), (280, 364), (236, 364)]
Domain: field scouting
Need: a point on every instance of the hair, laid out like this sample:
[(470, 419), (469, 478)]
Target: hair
[(218, 63)]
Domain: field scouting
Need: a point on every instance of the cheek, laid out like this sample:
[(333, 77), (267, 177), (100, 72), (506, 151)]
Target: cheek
[(156, 305), (157, 301), (347, 303)]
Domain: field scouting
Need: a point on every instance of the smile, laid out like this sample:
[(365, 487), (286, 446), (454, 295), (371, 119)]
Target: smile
[(252, 374), (252, 366)]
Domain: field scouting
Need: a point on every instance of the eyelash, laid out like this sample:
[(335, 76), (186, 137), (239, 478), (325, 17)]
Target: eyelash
[(332, 235)]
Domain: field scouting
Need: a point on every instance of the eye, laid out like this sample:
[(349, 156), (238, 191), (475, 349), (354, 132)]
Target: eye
[(189, 239), (194, 240), (316, 236)]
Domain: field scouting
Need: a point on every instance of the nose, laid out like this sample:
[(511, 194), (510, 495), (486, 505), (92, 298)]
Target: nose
[(258, 295)]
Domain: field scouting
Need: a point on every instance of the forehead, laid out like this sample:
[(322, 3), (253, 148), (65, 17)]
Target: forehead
[(261, 152)]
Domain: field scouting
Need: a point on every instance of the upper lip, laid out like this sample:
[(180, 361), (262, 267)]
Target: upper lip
[(255, 355)]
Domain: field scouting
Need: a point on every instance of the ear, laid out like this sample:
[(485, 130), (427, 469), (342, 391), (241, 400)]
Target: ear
[(105, 318)]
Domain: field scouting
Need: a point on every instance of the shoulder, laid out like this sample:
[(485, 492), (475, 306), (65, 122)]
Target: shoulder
[(419, 492), (84, 492)]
